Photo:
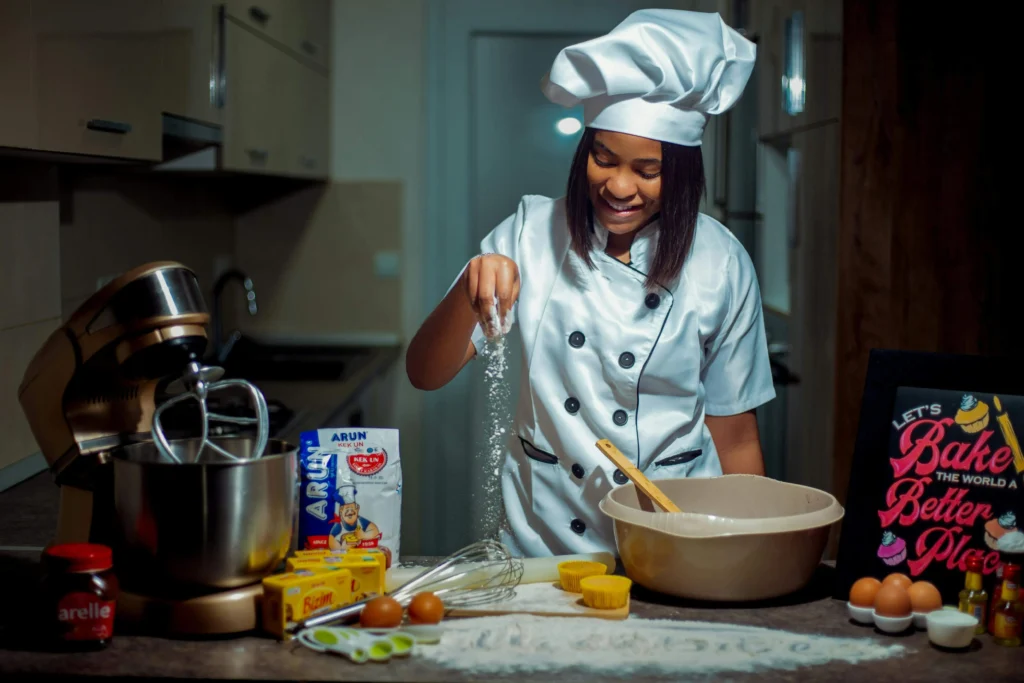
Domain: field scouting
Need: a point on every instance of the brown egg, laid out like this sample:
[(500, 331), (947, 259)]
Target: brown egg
[(901, 580), (892, 601), (863, 592), (426, 608), (924, 597), (382, 612)]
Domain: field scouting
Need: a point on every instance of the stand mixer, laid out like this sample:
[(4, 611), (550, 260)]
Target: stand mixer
[(93, 396)]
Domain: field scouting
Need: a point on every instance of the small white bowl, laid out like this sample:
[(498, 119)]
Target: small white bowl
[(921, 620), (893, 624), (862, 615), (951, 628)]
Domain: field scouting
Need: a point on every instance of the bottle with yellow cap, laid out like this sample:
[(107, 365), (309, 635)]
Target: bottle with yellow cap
[(1007, 628), (973, 598)]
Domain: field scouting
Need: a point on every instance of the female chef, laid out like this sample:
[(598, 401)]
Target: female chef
[(640, 318)]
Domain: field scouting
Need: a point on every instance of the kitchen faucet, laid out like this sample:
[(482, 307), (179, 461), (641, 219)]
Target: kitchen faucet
[(220, 348)]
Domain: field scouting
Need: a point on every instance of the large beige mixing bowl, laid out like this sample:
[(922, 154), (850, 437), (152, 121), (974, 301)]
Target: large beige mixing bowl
[(769, 545)]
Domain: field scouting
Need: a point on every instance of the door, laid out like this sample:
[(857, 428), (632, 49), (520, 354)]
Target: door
[(520, 144)]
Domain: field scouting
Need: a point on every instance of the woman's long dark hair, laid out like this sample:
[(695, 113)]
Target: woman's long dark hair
[(682, 188)]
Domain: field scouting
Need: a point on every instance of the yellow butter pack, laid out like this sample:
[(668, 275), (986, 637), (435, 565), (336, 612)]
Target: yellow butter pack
[(366, 568), (319, 552), (297, 595)]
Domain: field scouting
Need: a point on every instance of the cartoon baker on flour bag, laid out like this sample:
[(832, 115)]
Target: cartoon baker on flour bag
[(350, 528), (640, 317)]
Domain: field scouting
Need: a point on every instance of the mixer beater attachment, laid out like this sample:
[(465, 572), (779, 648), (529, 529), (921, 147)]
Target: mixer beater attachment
[(197, 383)]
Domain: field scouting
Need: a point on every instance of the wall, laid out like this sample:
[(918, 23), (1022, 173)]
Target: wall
[(310, 255), (112, 223), (63, 232), (377, 133), (30, 294), (928, 246)]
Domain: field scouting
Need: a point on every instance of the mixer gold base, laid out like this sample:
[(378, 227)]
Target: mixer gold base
[(223, 613)]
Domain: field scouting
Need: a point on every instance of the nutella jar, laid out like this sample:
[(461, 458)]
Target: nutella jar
[(80, 594)]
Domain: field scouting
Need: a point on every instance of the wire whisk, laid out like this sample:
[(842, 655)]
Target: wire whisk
[(481, 573)]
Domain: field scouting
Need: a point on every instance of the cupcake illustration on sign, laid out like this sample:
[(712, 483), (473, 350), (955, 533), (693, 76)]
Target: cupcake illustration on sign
[(893, 550), (973, 414), (999, 527)]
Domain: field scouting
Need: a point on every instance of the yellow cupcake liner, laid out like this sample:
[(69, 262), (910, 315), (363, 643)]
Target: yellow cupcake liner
[(571, 573), (606, 592)]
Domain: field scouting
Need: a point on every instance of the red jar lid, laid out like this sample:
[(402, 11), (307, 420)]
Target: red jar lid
[(82, 557)]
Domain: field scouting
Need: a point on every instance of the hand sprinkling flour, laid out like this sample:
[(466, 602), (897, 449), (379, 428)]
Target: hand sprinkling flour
[(495, 353)]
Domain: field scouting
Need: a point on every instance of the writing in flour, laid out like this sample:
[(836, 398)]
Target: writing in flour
[(520, 644)]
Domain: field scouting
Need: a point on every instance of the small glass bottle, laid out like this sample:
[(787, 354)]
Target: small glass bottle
[(973, 598), (1007, 613), (996, 589)]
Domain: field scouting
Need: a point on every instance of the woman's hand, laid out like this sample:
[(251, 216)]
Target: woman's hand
[(443, 345), (489, 277)]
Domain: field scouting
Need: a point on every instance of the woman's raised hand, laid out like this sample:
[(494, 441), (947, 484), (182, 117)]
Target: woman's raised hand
[(489, 278)]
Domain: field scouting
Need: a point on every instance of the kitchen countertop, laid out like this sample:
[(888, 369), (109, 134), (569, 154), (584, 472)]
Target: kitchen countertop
[(28, 513)]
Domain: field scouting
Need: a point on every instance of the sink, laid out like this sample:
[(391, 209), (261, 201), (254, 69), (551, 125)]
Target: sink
[(258, 361)]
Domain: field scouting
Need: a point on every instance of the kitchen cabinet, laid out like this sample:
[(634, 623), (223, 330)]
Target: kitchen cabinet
[(94, 77), (300, 27), (17, 113), (309, 31), (257, 102), (190, 50), (275, 108), (822, 20), (264, 17), (308, 150)]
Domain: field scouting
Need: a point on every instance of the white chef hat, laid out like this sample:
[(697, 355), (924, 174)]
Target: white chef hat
[(659, 74), (347, 494)]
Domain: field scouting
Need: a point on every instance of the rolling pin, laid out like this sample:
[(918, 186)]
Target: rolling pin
[(535, 569)]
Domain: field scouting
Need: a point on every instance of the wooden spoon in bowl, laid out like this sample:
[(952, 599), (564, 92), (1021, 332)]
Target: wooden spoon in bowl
[(636, 476)]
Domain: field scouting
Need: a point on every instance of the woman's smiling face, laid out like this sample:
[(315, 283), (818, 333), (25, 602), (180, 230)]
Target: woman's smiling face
[(624, 176)]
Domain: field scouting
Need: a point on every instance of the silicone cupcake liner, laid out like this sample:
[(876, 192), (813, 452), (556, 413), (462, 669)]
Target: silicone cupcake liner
[(571, 573), (605, 592)]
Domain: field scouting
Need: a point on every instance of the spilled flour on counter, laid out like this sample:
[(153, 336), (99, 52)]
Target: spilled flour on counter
[(496, 385), (528, 644)]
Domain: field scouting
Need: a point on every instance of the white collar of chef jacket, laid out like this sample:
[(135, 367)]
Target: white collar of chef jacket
[(642, 250)]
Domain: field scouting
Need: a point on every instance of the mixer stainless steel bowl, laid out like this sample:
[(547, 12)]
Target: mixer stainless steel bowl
[(213, 525)]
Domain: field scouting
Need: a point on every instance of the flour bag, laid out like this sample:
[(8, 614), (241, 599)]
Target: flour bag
[(351, 493)]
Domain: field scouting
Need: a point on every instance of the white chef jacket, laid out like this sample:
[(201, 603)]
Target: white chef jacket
[(606, 358)]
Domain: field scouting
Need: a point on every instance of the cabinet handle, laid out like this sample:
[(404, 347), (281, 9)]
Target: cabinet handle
[(309, 47), (259, 14), (258, 154), (104, 126)]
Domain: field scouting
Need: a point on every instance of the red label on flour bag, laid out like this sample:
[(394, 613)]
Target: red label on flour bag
[(351, 493), (368, 463), (83, 616)]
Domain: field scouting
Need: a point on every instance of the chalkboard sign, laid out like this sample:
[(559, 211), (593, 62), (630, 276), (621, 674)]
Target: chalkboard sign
[(938, 469)]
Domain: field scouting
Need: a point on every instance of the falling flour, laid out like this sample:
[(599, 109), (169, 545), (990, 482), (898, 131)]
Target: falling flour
[(495, 353), (513, 644)]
